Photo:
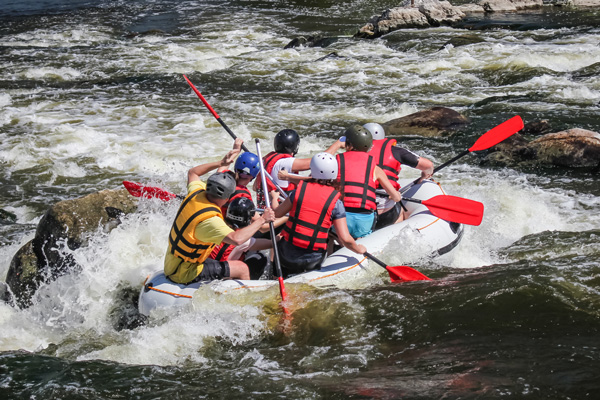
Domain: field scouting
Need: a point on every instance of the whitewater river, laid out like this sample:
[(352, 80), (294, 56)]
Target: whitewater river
[(92, 93)]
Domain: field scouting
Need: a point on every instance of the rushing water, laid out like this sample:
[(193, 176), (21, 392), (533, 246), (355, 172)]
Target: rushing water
[(92, 94)]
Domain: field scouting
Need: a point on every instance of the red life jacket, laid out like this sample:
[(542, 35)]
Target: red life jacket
[(382, 152), (240, 191), (310, 217), (222, 252), (356, 169), (269, 162)]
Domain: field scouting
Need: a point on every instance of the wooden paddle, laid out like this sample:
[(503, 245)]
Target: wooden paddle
[(453, 208), (487, 140), (272, 229)]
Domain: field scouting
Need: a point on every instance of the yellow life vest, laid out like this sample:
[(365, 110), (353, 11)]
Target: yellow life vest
[(194, 209)]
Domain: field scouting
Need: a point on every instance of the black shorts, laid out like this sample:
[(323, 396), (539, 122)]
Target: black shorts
[(213, 270)]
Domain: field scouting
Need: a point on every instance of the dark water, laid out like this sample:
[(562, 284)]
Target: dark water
[(91, 94)]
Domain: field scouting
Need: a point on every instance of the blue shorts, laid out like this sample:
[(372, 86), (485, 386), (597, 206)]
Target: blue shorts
[(360, 225)]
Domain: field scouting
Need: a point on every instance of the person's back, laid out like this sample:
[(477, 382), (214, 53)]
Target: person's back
[(314, 207)]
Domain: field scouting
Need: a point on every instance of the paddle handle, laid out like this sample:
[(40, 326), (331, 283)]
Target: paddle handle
[(224, 125), (271, 226)]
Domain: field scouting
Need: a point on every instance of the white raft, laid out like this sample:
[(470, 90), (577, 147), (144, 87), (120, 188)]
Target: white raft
[(342, 269)]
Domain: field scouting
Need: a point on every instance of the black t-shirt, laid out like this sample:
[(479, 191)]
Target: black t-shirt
[(405, 157)]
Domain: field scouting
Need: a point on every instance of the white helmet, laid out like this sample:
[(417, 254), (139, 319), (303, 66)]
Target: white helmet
[(376, 130), (324, 166)]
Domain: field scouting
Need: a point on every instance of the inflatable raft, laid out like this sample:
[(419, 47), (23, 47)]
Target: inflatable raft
[(341, 269)]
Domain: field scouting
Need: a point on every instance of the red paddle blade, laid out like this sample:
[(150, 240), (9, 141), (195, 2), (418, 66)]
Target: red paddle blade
[(402, 273), (498, 134), (148, 192), (455, 209)]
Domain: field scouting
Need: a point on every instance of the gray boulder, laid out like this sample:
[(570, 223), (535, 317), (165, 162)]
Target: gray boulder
[(65, 226), (431, 13), (434, 122)]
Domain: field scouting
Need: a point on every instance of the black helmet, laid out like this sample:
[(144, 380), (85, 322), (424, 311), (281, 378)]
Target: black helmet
[(239, 212), (287, 141), (359, 138), (220, 185)]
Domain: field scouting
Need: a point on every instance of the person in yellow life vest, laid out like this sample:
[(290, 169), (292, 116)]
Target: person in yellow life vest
[(359, 176), (314, 207), (390, 159), (199, 226)]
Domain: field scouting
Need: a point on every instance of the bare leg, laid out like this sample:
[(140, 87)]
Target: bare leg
[(239, 270)]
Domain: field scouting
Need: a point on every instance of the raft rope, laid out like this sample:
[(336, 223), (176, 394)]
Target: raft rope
[(149, 287)]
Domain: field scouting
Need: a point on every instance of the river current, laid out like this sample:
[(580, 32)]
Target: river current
[(92, 93)]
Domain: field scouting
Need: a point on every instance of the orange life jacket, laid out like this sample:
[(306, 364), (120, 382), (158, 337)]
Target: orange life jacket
[(194, 209), (310, 216), (382, 153), (356, 176)]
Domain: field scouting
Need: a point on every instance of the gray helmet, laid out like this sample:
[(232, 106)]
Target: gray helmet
[(359, 138), (376, 130), (220, 185)]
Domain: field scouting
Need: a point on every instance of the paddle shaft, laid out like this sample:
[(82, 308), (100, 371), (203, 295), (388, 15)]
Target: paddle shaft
[(224, 125), (272, 229)]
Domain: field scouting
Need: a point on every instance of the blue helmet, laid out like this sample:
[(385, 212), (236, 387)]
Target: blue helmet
[(248, 163)]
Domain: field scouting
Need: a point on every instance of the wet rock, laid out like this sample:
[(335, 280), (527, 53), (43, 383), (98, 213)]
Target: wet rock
[(536, 127), (573, 148), (333, 55), (66, 226), (6, 217), (509, 5), (311, 41), (436, 121), (426, 15)]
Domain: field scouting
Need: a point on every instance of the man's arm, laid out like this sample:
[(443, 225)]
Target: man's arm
[(341, 227), (240, 236), (196, 172)]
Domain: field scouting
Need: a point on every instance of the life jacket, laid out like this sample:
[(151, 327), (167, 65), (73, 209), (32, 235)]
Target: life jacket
[(310, 216), (240, 191), (356, 170), (382, 152), (194, 209), (221, 252), (269, 162)]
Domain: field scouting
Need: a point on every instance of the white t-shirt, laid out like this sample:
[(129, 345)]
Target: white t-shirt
[(285, 164)]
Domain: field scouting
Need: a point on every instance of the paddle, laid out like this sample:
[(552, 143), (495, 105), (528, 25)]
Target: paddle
[(272, 229), (399, 273), (149, 192), (487, 140), (453, 208), (214, 113)]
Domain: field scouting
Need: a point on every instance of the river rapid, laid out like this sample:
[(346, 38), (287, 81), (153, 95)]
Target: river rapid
[(92, 93)]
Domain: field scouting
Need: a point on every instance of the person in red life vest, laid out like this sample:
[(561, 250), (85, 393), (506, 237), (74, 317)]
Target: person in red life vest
[(199, 226), (240, 213), (359, 176), (286, 144), (314, 207), (390, 159)]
